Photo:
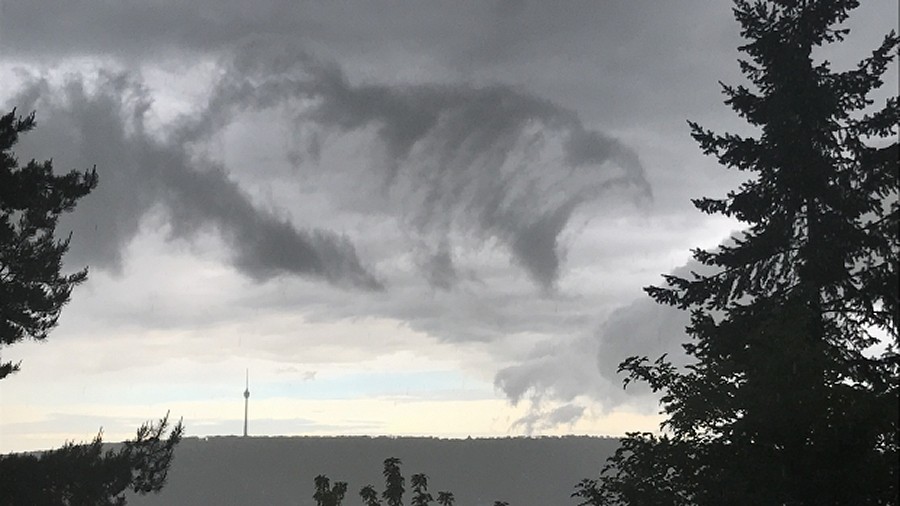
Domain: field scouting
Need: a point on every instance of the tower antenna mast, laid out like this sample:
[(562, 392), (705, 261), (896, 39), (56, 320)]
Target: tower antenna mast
[(246, 401)]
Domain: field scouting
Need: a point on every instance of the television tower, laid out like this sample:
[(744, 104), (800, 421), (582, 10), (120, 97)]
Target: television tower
[(246, 401)]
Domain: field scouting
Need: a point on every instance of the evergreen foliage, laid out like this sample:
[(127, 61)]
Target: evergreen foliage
[(86, 474), (32, 294), (32, 289), (791, 398)]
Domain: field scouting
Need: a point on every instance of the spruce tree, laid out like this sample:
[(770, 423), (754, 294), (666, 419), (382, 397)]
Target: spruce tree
[(90, 473), (32, 198), (791, 397), (33, 291)]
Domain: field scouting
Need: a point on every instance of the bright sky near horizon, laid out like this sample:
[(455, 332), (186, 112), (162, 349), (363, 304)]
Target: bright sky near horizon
[(404, 218)]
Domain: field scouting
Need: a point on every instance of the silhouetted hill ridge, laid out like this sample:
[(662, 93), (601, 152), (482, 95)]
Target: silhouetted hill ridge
[(230, 470)]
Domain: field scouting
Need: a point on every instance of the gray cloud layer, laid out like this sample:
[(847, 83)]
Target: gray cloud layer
[(457, 157), (588, 366), (453, 158), (105, 126)]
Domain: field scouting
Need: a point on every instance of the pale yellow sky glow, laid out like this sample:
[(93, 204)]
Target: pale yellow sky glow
[(394, 417)]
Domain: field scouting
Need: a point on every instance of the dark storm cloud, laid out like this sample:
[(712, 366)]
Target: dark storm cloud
[(579, 55), (446, 141), (479, 160), (475, 159), (264, 245), (105, 126), (58, 27)]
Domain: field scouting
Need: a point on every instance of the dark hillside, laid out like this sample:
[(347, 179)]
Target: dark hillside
[(276, 471)]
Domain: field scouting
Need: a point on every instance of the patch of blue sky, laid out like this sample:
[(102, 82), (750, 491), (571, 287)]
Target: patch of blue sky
[(427, 384), (430, 385)]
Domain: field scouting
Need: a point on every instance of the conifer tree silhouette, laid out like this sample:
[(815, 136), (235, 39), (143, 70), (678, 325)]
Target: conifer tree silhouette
[(32, 294), (785, 402)]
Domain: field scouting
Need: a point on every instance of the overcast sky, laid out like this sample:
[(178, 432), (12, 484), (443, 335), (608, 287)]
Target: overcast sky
[(418, 218)]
